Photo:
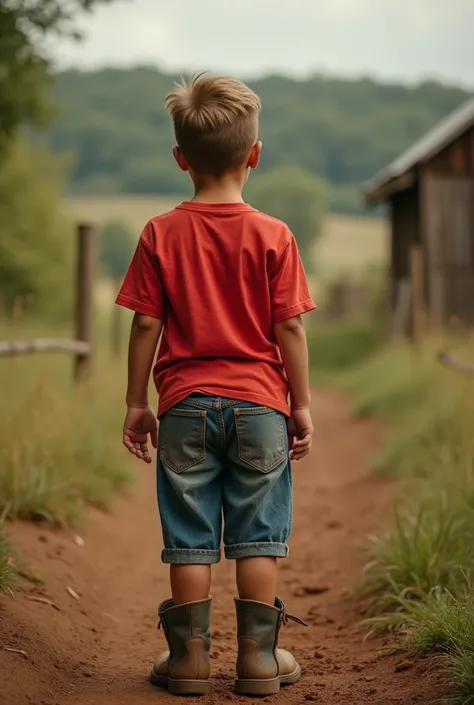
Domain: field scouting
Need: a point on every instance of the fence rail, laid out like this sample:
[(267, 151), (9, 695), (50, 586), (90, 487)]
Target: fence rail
[(448, 360), (40, 345)]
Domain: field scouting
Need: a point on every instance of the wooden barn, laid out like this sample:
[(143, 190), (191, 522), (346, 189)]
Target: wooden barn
[(430, 189)]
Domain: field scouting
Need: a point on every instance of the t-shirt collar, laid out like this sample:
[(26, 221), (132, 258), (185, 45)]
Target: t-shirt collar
[(202, 207)]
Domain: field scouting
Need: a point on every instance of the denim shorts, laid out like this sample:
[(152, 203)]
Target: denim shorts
[(223, 475)]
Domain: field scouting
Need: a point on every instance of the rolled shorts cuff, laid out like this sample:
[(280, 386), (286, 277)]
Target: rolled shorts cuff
[(250, 550), (190, 556)]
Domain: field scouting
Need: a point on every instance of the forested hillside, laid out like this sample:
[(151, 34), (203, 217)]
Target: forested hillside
[(115, 123)]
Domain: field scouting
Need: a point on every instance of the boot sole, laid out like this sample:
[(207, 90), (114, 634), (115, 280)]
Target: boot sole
[(181, 687), (268, 686)]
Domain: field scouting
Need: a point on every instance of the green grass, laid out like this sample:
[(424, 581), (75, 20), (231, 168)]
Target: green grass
[(430, 545), (8, 572), (438, 622), (422, 403), (420, 571), (388, 384), (60, 446), (338, 346)]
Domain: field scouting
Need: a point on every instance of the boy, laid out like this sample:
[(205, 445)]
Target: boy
[(224, 286)]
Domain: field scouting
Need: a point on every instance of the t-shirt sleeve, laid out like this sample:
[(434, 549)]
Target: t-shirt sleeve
[(142, 289), (289, 290)]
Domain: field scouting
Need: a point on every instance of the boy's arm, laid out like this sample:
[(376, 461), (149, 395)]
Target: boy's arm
[(141, 420), (291, 338), (142, 291), (290, 298), (144, 337)]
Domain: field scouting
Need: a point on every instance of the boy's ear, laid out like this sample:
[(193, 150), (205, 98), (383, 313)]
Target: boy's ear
[(254, 156), (180, 159)]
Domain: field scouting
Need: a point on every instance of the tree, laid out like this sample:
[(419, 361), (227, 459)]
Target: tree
[(23, 78), (296, 197), (36, 241), (116, 249), (24, 62), (42, 16), (341, 130)]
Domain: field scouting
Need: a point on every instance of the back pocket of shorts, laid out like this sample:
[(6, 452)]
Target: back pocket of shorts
[(262, 437), (182, 436)]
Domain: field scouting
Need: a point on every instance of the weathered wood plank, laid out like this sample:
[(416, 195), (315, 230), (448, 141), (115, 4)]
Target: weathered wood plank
[(448, 360), (40, 345), (417, 270), (448, 223)]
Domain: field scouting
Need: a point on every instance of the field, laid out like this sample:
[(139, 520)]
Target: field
[(347, 243)]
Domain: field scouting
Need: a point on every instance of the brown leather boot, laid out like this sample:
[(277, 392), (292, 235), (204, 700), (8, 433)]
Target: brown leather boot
[(186, 667), (261, 666)]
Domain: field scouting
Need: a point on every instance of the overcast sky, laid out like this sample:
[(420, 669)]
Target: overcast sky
[(389, 39)]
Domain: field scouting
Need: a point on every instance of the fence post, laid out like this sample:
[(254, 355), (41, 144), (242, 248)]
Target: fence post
[(116, 338), (84, 292), (417, 294)]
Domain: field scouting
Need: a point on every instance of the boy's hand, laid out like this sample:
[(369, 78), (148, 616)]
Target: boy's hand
[(300, 432), (139, 422)]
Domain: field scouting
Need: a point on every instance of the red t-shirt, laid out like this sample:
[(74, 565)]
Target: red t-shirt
[(219, 276)]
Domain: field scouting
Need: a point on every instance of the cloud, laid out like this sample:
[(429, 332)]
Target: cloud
[(404, 39)]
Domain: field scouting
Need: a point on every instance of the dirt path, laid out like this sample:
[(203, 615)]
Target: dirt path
[(97, 650)]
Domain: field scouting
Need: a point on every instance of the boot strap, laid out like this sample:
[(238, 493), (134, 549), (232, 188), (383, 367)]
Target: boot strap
[(285, 618)]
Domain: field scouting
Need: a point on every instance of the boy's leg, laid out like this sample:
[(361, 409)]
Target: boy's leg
[(257, 490), (190, 583), (257, 579), (189, 496), (257, 498)]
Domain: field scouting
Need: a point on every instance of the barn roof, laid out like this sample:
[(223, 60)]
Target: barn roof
[(400, 173)]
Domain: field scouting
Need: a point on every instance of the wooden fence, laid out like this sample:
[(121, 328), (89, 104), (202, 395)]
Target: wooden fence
[(81, 347)]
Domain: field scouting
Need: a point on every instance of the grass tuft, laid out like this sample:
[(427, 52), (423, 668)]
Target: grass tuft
[(425, 550), (460, 671), (420, 570), (8, 572), (438, 622)]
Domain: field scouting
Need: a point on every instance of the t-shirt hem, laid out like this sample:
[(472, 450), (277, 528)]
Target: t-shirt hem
[(165, 404), (296, 310), (137, 306)]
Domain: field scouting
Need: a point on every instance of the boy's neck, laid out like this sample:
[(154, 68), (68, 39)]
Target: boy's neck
[(226, 189)]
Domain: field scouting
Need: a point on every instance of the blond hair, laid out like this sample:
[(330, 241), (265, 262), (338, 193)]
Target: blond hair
[(215, 121)]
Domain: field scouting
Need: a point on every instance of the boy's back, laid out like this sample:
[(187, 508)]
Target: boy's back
[(219, 276)]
